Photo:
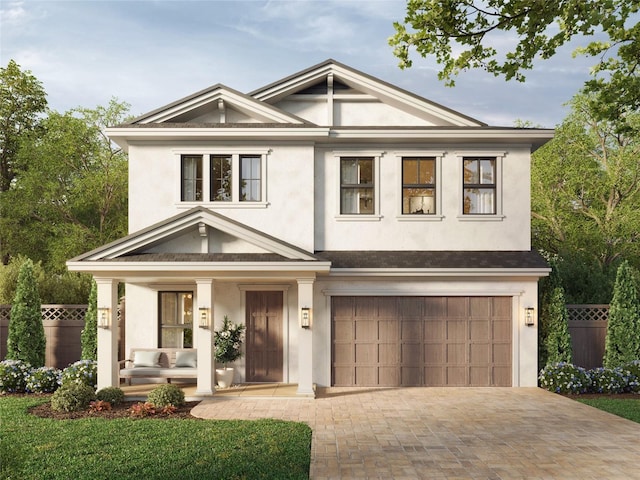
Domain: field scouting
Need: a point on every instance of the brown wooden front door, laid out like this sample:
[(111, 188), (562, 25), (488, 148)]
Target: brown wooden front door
[(264, 336)]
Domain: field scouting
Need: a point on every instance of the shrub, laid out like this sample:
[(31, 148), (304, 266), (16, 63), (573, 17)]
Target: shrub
[(558, 341), (607, 380), (99, 406), (72, 397), (43, 380), (228, 341), (113, 395), (84, 372), (165, 395), (13, 376), (564, 377), (141, 410), (26, 340), (89, 334), (631, 371)]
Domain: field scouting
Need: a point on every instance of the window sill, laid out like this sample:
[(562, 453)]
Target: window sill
[(419, 218), (222, 205), (481, 218), (358, 218)]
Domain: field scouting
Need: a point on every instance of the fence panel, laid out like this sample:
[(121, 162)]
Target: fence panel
[(62, 324), (588, 330)]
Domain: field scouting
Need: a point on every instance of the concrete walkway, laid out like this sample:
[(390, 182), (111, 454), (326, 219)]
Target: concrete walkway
[(450, 433)]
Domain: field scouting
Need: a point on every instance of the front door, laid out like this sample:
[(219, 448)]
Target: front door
[(264, 336)]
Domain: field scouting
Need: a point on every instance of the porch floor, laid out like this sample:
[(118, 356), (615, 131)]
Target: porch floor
[(139, 392)]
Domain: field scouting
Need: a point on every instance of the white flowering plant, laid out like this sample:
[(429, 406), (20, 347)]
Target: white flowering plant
[(607, 380), (13, 376), (43, 380), (564, 377), (84, 372), (631, 371), (228, 341)]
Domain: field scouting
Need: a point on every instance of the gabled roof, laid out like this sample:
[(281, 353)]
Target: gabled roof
[(365, 83), (218, 98), (139, 245)]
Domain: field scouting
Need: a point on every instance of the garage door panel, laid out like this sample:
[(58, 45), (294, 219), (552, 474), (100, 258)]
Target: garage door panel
[(479, 353), (413, 341)]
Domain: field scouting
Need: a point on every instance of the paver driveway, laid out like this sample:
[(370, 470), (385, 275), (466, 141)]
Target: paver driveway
[(488, 433)]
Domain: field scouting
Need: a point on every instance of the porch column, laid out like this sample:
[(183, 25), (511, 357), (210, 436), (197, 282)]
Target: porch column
[(107, 304), (204, 337), (305, 338)]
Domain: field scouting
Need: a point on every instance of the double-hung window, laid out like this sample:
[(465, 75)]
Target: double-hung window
[(175, 312), (418, 186), (221, 178), (191, 176), (250, 170), (479, 186), (357, 187)]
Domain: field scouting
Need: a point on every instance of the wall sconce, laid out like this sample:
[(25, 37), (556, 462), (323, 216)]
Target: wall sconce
[(104, 317), (528, 316), (204, 317), (305, 317)]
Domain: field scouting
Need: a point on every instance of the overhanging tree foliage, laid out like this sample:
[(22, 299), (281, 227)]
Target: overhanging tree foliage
[(585, 198), (71, 179), (462, 34), (26, 340), (622, 344)]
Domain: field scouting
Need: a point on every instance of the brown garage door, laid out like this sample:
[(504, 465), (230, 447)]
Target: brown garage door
[(421, 341)]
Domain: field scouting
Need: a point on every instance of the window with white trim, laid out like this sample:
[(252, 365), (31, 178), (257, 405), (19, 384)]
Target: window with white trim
[(175, 319), (191, 178), (357, 188), (230, 178), (479, 186), (419, 186)]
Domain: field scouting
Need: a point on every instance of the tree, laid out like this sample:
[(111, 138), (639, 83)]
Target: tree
[(546, 288), (558, 341), (585, 195), (70, 178), (89, 335), (622, 344), (22, 100), (26, 340), (440, 27)]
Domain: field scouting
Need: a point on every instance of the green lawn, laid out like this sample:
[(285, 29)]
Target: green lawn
[(94, 449), (623, 407)]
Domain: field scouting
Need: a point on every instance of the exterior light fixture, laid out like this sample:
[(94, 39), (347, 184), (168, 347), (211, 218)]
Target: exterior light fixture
[(204, 317), (528, 316), (305, 317), (104, 317)]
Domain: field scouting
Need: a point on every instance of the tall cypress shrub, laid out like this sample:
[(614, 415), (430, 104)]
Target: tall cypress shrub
[(622, 344), (558, 342), (89, 335), (26, 340), (546, 287)]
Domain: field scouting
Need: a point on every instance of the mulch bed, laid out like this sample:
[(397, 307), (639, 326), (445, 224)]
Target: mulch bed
[(117, 411)]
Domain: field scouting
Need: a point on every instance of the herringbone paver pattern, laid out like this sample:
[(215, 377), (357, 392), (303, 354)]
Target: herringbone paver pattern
[(450, 433)]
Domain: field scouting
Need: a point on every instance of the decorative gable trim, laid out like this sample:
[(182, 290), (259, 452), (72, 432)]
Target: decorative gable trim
[(367, 84), (198, 217), (220, 97)]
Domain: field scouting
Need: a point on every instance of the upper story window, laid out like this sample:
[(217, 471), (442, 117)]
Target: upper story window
[(418, 186), (250, 170), (479, 186), (191, 178), (221, 178), (233, 177), (357, 188)]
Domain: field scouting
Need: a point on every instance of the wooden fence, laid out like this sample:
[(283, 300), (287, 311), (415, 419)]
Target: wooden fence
[(588, 330), (62, 327)]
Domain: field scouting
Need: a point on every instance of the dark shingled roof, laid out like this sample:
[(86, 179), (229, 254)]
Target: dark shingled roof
[(433, 259), (203, 257)]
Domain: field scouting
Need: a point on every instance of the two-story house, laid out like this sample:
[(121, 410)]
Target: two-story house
[(364, 235)]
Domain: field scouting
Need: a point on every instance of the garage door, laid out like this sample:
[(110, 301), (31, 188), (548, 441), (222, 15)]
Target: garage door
[(421, 341)]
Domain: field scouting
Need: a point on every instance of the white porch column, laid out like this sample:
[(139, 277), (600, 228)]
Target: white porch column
[(305, 339), (108, 337), (204, 338)]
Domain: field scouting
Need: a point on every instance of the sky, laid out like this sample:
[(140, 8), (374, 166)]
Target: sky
[(149, 53)]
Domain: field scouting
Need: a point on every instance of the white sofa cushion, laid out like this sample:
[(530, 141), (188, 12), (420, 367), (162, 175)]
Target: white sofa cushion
[(186, 358), (146, 359)]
